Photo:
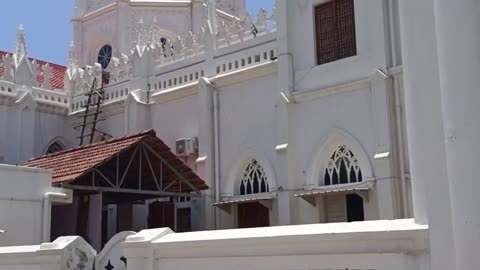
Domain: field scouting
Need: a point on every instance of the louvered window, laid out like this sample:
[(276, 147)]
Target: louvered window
[(335, 31)]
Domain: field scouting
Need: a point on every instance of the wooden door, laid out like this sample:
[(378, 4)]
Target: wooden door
[(251, 215), (355, 210), (161, 215), (82, 216), (336, 208)]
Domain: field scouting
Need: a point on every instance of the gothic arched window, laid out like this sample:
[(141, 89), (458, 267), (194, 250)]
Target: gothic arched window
[(253, 179), (54, 147), (342, 168)]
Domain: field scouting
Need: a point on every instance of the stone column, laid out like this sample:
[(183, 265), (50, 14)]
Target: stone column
[(458, 38), (425, 129)]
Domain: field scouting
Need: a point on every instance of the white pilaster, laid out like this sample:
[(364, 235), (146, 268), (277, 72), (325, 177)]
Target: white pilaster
[(95, 221), (285, 143), (424, 128), (458, 38), (205, 161)]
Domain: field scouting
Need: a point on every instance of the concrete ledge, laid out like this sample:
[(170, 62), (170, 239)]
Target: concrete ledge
[(398, 236)]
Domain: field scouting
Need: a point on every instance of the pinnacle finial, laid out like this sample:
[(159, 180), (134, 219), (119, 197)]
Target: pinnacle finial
[(212, 17), (20, 47), (72, 60), (141, 39)]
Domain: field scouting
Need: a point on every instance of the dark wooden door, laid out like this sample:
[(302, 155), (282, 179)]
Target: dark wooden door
[(82, 216), (161, 215), (355, 208), (184, 220), (251, 215)]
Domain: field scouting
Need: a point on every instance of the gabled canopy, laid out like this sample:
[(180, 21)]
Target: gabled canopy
[(139, 164)]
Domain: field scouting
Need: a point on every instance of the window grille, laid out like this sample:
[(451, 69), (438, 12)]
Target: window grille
[(342, 168), (104, 56), (253, 179), (335, 31)]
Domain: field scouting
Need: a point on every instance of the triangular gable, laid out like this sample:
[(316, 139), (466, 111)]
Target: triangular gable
[(139, 163)]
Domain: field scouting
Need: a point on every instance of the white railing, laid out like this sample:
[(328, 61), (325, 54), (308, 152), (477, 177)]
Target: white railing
[(7, 88), (177, 77), (45, 96), (254, 52), (58, 98)]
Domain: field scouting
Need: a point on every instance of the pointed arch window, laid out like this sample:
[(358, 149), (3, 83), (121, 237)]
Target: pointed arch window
[(54, 147), (342, 168), (253, 179)]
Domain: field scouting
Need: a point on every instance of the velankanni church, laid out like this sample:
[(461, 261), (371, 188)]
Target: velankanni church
[(196, 115)]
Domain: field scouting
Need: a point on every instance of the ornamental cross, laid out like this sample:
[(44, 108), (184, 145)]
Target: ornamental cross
[(109, 266)]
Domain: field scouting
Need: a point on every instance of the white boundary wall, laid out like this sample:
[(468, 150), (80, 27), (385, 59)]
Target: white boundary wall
[(26, 196), (380, 245), (65, 253)]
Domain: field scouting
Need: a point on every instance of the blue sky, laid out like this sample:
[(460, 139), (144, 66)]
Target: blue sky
[(47, 26)]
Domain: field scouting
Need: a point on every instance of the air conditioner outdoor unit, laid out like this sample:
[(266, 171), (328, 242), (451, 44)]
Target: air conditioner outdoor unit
[(187, 146)]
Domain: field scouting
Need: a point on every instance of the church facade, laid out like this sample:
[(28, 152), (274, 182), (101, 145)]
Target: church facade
[(290, 117)]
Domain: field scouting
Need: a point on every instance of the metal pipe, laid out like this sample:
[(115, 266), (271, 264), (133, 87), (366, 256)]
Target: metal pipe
[(393, 46), (216, 154), (401, 153)]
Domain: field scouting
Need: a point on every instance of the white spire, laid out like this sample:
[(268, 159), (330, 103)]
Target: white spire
[(212, 17), (20, 48), (155, 37), (141, 39), (72, 59)]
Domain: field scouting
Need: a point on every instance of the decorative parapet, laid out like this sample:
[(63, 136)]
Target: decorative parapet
[(225, 44), (48, 100)]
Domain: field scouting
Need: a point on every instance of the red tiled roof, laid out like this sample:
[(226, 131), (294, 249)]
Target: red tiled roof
[(58, 72), (73, 164)]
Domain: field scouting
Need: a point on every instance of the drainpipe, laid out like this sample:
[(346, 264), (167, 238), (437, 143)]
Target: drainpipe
[(48, 198), (216, 154), (401, 153), (393, 46)]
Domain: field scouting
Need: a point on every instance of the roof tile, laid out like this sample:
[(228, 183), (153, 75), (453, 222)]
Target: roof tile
[(69, 165)]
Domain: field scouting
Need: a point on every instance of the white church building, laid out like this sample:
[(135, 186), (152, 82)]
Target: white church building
[(196, 115)]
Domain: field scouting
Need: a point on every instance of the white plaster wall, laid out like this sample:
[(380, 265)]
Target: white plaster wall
[(345, 118), (114, 125), (371, 45), (247, 129), (21, 204), (175, 120), (48, 129), (27, 132), (9, 139), (246, 123)]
